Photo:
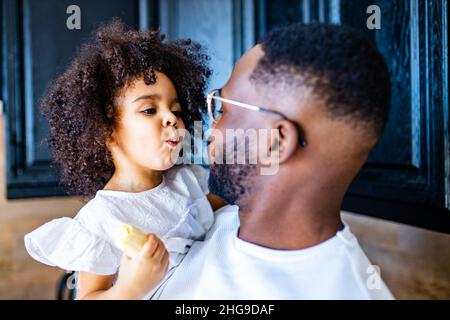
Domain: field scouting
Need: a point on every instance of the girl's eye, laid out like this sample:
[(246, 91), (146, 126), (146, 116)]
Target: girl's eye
[(177, 113), (149, 111)]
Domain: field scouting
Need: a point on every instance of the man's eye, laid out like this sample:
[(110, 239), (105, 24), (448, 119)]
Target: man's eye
[(149, 111), (218, 113)]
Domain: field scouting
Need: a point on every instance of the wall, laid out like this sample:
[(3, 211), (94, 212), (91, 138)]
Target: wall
[(20, 276)]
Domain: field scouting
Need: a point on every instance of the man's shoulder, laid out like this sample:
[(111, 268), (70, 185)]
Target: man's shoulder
[(360, 272)]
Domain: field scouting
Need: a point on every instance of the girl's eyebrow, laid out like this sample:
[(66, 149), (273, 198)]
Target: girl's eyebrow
[(153, 97), (148, 97)]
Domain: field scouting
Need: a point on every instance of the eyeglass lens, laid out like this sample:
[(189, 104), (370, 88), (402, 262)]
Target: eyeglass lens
[(216, 107)]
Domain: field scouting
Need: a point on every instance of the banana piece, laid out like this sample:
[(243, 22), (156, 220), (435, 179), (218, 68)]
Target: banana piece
[(131, 239)]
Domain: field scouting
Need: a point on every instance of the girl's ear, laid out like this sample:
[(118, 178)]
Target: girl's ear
[(111, 141), (109, 111)]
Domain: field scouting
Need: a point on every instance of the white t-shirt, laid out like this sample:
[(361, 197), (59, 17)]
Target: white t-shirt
[(226, 267), (177, 211)]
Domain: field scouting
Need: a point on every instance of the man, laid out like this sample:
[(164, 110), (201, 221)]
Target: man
[(326, 91)]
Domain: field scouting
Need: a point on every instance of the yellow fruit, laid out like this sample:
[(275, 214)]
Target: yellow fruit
[(131, 239)]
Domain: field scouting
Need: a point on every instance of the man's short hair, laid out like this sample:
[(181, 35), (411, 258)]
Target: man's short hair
[(337, 63)]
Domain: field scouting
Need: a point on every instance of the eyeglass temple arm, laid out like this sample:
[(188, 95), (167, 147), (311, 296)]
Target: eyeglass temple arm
[(252, 107), (236, 103)]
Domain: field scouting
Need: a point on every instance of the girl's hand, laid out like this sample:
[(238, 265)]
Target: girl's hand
[(138, 275)]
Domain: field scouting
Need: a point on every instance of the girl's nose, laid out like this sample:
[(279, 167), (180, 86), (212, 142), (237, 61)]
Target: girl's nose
[(170, 120)]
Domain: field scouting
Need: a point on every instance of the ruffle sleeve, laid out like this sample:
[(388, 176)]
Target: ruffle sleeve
[(67, 244)]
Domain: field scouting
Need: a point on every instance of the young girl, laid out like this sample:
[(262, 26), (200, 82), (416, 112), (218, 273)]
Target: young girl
[(115, 117)]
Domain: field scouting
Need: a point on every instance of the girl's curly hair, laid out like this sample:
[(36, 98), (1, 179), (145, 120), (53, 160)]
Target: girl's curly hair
[(78, 104)]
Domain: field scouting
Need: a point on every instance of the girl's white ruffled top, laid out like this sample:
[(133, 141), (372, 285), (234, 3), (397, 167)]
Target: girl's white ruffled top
[(177, 211)]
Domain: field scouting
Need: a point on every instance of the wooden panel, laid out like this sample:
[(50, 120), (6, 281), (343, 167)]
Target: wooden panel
[(414, 263), (21, 277)]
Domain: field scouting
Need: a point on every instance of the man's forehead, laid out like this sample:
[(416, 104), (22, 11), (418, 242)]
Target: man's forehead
[(243, 69), (302, 100), (250, 58)]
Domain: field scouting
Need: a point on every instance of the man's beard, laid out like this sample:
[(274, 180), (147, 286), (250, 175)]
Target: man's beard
[(233, 182)]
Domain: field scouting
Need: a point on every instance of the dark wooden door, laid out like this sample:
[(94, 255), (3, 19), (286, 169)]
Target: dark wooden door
[(36, 46), (407, 176)]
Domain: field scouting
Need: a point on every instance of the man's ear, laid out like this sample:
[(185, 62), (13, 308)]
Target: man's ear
[(286, 142)]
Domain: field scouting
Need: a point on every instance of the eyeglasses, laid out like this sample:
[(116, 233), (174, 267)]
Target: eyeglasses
[(214, 102)]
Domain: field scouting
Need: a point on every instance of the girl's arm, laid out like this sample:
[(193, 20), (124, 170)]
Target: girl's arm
[(96, 287), (215, 201)]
